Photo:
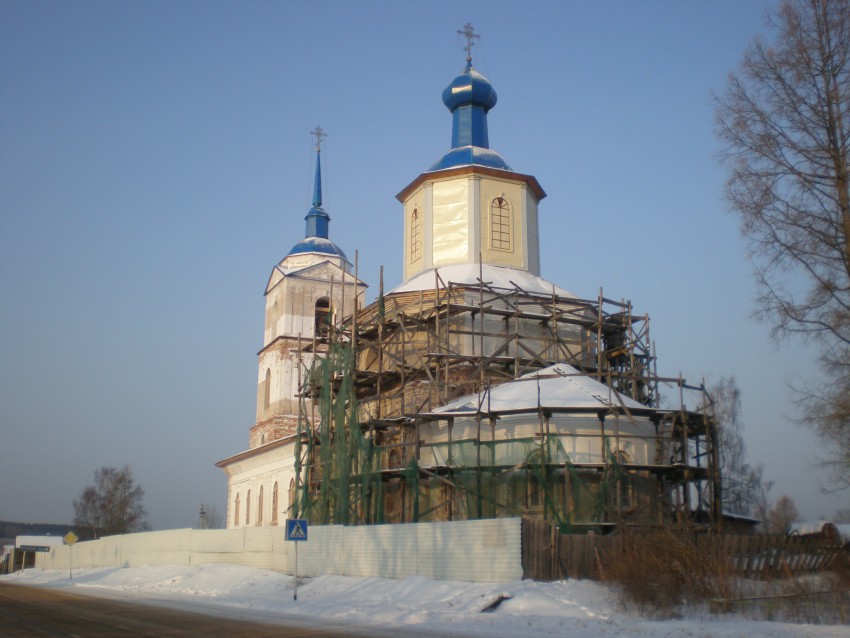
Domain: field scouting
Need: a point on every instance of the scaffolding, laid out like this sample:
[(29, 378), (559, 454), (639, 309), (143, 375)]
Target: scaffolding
[(361, 457)]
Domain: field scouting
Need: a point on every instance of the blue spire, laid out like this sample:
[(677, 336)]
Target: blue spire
[(317, 218), (316, 234), (317, 186)]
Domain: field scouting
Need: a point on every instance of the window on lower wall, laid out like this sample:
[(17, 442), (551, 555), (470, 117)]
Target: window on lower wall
[(260, 507), (248, 508), (236, 511), (274, 504)]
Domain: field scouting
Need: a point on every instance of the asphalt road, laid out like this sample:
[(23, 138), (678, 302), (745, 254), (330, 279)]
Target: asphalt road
[(34, 611)]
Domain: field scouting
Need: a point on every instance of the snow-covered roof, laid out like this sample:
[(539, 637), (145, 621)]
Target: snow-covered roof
[(558, 387), (288, 271), (497, 276)]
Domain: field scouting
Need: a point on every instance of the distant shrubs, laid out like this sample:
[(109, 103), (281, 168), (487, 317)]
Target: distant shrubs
[(663, 573)]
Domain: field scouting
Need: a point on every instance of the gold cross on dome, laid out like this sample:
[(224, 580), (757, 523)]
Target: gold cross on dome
[(469, 33), (320, 135)]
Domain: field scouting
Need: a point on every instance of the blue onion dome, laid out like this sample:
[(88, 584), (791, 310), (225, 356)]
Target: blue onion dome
[(470, 87), (469, 97), (317, 245)]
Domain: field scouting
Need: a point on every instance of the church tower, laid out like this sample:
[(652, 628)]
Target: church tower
[(470, 207), (309, 291)]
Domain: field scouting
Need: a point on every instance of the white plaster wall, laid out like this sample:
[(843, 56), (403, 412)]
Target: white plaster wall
[(262, 469)]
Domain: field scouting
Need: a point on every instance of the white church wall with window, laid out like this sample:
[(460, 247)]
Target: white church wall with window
[(258, 483)]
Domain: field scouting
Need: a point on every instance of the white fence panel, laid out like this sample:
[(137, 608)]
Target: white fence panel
[(387, 551), (322, 553), (478, 551)]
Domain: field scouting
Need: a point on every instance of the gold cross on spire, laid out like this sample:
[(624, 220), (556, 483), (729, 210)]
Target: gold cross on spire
[(320, 135), (469, 33)]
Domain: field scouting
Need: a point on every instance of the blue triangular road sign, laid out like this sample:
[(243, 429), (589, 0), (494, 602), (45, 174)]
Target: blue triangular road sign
[(296, 529)]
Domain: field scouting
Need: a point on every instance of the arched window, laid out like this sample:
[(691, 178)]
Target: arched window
[(260, 507), (267, 389), (415, 235), (236, 511), (500, 224), (248, 508), (274, 504), (292, 508), (323, 316)]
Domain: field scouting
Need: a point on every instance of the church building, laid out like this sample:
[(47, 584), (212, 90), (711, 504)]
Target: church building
[(475, 388)]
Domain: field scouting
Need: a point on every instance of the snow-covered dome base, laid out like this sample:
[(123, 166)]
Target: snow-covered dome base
[(496, 276)]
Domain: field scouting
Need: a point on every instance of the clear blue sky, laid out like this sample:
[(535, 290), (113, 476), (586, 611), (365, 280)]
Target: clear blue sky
[(155, 163)]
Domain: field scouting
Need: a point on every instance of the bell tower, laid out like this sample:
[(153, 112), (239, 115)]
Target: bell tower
[(308, 292)]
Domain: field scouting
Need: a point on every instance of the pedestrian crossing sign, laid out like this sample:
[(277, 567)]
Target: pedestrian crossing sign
[(296, 529)]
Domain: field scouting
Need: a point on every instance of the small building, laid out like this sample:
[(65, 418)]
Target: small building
[(824, 530)]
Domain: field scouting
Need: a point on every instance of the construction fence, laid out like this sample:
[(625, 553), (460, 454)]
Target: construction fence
[(473, 551), (548, 554)]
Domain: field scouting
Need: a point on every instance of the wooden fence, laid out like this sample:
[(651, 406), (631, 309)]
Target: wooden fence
[(550, 555)]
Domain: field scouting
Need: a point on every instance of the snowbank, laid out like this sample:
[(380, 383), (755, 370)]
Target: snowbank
[(580, 609)]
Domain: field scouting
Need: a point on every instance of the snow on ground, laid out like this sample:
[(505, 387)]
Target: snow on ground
[(415, 606)]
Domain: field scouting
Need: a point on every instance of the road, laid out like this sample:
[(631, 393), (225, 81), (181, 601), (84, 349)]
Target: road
[(33, 611)]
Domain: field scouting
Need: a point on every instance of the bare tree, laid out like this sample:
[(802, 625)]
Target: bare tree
[(215, 520), (841, 516), (210, 517), (87, 512), (744, 488), (785, 119), (113, 505), (782, 515)]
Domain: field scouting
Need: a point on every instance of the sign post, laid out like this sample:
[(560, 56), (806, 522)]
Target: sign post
[(296, 530), (70, 538)]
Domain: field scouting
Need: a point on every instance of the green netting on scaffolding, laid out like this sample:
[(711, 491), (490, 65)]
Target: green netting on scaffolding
[(340, 479), (338, 468), (544, 484)]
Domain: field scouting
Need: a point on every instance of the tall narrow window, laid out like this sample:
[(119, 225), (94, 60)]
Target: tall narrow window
[(248, 508), (236, 511), (292, 508), (267, 389), (274, 504), (260, 507), (415, 235), (500, 224), (323, 316)]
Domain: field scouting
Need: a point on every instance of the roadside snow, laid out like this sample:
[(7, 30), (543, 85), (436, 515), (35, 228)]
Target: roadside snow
[(580, 609)]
